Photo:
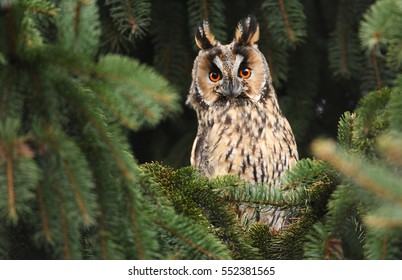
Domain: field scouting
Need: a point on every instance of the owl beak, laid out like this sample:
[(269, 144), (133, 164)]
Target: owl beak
[(232, 90)]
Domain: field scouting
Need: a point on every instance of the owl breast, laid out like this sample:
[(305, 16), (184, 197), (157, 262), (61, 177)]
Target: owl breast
[(253, 141)]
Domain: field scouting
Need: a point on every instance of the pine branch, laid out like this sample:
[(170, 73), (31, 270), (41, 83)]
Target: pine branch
[(57, 225), (108, 240), (142, 233), (321, 245), (376, 74), (395, 106), (379, 29), (384, 202), (40, 7), (116, 150), (172, 60), (146, 92), (44, 215), (365, 175), (82, 103), (389, 145), (213, 12), (286, 20), (260, 237), (78, 26), (132, 17), (341, 207), (370, 121), (289, 243), (184, 232), (382, 245), (137, 99), (199, 200), (346, 127), (289, 30), (319, 181), (277, 56), (74, 169), (202, 244), (81, 100), (18, 174), (39, 16), (113, 238), (343, 45), (307, 172), (377, 71), (380, 38), (263, 196), (65, 226)]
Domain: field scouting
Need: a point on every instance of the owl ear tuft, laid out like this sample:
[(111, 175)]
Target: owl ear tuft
[(247, 31), (204, 37)]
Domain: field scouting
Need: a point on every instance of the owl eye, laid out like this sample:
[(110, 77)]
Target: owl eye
[(245, 73), (215, 76)]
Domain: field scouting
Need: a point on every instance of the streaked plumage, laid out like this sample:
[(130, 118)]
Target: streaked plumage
[(241, 129)]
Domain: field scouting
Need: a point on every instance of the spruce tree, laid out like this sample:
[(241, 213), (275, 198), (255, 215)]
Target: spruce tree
[(364, 212), (69, 182)]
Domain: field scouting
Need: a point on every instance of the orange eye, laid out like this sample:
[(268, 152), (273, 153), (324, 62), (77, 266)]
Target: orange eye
[(215, 76), (245, 73)]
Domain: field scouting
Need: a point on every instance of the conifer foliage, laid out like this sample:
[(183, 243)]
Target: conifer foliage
[(70, 92), (66, 166), (364, 212)]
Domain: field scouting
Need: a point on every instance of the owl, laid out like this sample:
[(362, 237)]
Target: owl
[(241, 129)]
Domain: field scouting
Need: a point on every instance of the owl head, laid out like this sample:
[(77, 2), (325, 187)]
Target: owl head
[(234, 74)]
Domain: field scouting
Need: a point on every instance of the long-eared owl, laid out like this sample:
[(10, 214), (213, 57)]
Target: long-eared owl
[(241, 129)]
